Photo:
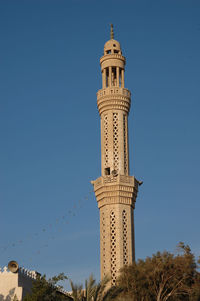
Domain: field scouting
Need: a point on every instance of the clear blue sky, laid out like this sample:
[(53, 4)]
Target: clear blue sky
[(50, 127)]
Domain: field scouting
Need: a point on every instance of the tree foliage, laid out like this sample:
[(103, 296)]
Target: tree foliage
[(47, 290), (94, 291), (162, 277)]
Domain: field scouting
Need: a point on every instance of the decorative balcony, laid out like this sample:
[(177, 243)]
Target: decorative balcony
[(112, 56), (113, 98), (115, 190)]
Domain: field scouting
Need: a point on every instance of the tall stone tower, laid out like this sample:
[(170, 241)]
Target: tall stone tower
[(115, 190)]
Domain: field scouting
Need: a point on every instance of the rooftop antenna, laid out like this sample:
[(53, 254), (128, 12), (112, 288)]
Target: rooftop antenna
[(111, 32)]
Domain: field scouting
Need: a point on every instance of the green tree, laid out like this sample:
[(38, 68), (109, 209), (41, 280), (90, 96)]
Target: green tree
[(104, 292), (195, 289), (94, 291), (162, 277), (47, 290), (77, 291)]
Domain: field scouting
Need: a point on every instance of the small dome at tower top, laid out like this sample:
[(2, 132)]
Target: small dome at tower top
[(112, 46)]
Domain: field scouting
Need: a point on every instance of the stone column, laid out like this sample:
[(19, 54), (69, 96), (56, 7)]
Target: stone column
[(122, 78)]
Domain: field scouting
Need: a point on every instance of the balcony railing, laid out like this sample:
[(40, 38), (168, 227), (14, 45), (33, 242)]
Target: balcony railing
[(114, 91)]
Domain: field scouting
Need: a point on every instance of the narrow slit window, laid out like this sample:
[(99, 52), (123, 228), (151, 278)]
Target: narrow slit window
[(120, 77)]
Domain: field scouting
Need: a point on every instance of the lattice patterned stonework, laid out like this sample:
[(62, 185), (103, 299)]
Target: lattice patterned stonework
[(115, 142), (113, 247), (125, 243), (103, 243), (106, 140), (125, 145)]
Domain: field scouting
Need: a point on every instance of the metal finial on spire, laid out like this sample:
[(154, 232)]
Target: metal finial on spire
[(111, 32)]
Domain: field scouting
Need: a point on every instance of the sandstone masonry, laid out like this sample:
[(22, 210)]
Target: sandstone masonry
[(115, 190)]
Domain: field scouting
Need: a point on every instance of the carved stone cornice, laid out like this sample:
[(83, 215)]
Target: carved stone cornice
[(113, 98), (112, 56), (116, 190)]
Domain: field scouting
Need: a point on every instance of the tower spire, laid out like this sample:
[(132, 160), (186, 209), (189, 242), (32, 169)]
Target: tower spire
[(111, 32)]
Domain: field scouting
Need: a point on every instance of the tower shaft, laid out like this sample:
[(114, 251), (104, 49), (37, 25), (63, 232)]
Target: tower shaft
[(115, 190)]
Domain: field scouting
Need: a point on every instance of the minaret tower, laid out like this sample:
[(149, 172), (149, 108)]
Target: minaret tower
[(115, 190)]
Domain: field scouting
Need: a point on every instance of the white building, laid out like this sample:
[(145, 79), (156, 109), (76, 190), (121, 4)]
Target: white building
[(15, 284)]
